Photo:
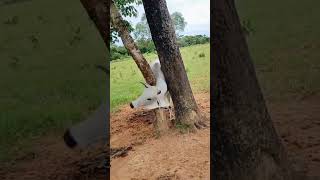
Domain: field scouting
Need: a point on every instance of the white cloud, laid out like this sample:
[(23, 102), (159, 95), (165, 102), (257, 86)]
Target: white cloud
[(195, 12)]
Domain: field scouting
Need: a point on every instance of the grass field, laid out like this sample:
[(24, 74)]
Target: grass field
[(48, 79), (285, 46), (125, 75)]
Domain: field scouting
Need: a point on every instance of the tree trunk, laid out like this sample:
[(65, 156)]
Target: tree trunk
[(164, 37), (161, 123), (128, 42), (246, 145), (99, 12)]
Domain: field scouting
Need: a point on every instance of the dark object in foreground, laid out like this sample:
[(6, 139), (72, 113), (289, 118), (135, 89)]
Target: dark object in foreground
[(69, 139)]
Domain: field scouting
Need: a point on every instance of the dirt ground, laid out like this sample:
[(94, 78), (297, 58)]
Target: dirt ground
[(186, 156), (298, 125), (52, 160), (173, 156)]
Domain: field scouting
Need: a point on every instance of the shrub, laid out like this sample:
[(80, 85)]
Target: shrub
[(201, 55), (192, 40)]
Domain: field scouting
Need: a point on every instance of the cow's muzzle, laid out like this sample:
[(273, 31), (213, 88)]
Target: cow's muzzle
[(69, 139), (131, 105)]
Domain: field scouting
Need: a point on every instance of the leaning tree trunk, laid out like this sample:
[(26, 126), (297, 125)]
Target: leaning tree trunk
[(164, 37), (97, 125), (99, 13), (161, 123), (246, 145), (118, 23)]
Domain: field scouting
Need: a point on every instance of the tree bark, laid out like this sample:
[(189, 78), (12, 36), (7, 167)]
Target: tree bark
[(161, 123), (164, 37), (246, 145), (99, 13), (130, 45)]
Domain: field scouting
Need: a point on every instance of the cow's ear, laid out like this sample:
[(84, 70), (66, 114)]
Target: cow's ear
[(145, 84)]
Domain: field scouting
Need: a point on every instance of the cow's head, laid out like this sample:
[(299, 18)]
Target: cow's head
[(91, 131), (148, 99)]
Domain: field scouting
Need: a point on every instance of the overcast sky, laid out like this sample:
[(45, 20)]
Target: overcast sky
[(195, 12)]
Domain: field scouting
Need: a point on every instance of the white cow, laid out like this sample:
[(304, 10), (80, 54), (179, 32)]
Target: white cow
[(94, 128), (156, 96)]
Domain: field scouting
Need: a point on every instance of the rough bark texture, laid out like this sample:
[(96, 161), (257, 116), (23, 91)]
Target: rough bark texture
[(161, 123), (99, 12), (130, 45), (246, 145), (164, 37)]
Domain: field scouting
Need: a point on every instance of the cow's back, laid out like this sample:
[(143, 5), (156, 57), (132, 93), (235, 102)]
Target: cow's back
[(156, 69)]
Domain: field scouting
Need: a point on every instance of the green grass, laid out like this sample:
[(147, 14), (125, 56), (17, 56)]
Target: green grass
[(48, 80), (285, 46), (125, 75)]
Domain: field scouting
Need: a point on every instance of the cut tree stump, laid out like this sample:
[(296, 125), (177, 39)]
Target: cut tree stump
[(161, 124)]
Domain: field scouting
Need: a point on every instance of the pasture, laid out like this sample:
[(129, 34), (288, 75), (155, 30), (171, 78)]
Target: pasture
[(48, 79), (284, 46)]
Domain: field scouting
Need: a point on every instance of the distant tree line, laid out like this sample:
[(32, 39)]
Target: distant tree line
[(147, 45), (142, 35)]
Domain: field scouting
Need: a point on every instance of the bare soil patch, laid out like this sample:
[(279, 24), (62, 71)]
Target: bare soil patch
[(298, 124), (173, 156)]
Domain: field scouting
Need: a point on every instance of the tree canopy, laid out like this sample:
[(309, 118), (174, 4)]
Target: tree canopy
[(127, 9), (141, 31)]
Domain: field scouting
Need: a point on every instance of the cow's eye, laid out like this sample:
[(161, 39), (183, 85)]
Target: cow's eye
[(149, 99)]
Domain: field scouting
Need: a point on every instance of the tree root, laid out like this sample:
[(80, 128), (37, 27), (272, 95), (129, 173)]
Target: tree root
[(200, 125), (119, 152)]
